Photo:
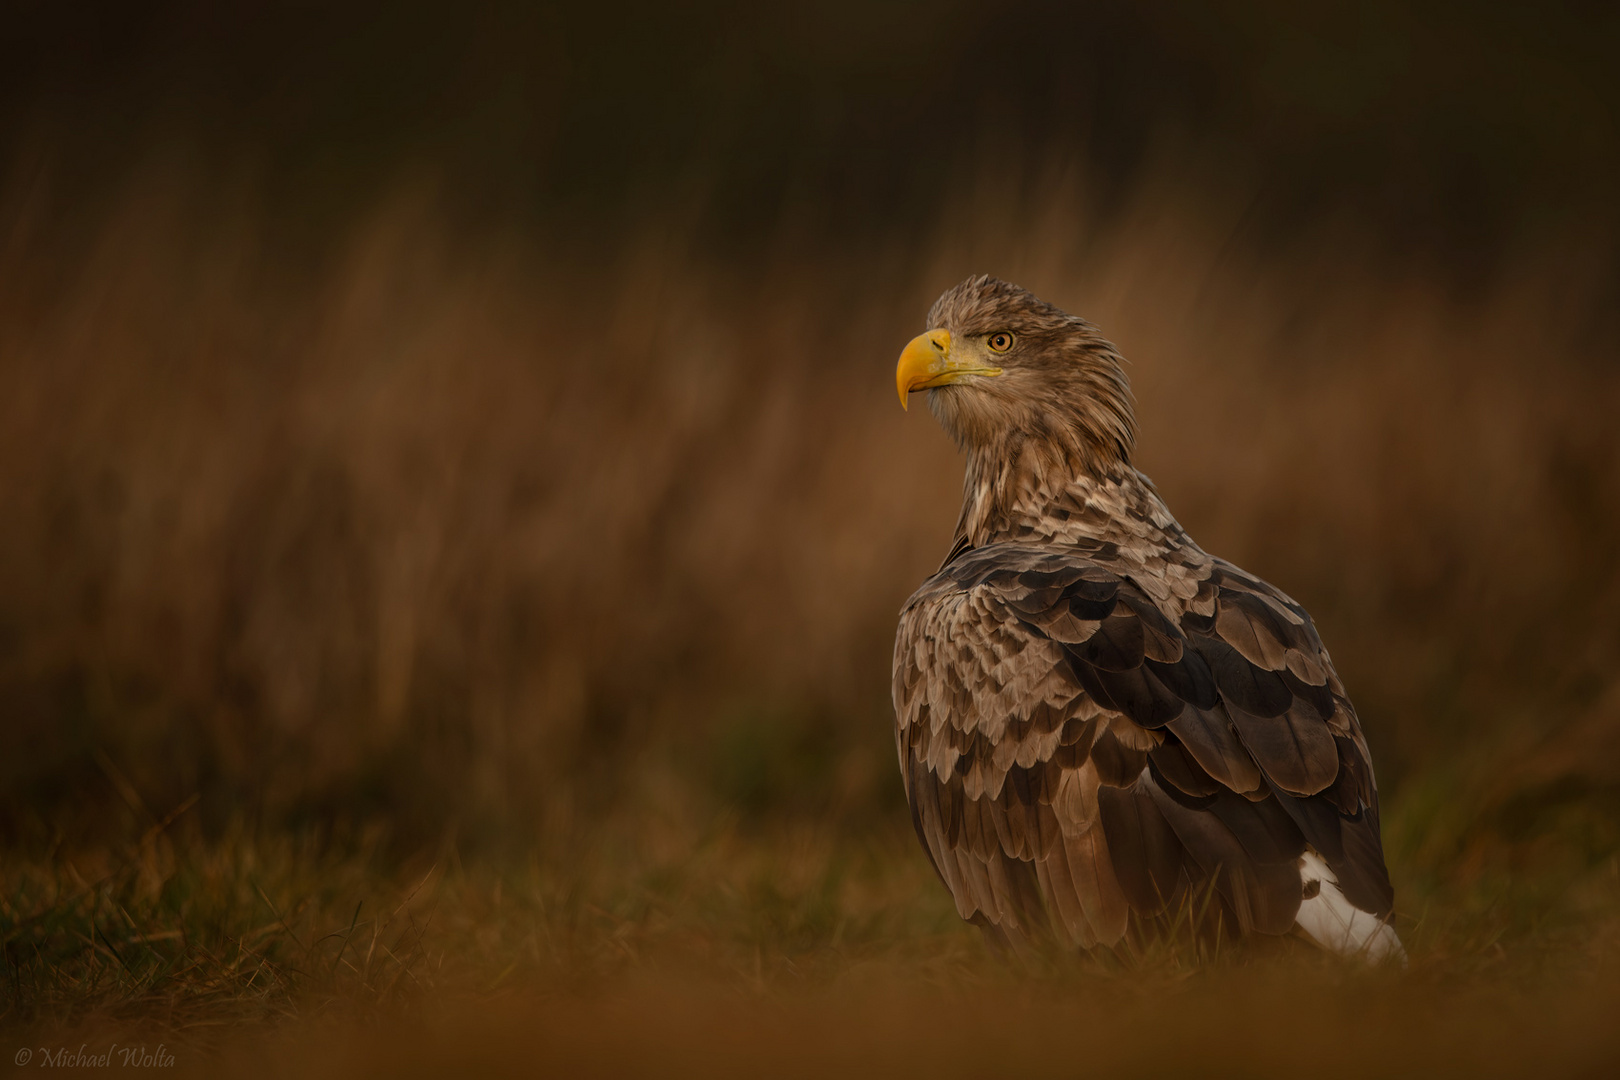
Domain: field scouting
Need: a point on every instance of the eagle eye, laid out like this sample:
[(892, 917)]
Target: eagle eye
[(1000, 341)]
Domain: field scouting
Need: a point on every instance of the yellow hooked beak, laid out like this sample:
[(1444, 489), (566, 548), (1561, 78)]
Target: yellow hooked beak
[(927, 362)]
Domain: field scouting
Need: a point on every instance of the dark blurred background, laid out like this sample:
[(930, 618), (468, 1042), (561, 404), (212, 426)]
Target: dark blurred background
[(1456, 129), (481, 419)]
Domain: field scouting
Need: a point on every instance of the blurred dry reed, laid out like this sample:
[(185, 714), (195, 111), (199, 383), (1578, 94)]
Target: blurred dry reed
[(434, 524)]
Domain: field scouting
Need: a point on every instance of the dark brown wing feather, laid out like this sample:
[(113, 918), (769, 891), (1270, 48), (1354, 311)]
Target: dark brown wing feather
[(1072, 754)]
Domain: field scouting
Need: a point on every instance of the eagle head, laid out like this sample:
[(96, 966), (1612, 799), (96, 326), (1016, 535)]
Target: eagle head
[(1003, 367)]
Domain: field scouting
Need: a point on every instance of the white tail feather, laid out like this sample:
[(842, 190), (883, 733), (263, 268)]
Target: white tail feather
[(1330, 920)]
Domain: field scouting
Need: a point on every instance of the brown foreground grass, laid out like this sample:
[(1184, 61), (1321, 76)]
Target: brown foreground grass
[(431, 656), (731, 951)]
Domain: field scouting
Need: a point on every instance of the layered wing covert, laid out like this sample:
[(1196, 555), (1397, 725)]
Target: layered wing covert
[(1071, 752)]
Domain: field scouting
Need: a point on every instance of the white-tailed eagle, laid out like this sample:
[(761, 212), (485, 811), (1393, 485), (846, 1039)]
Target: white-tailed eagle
[(1099, 724)]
